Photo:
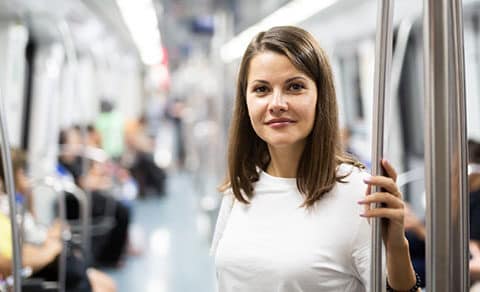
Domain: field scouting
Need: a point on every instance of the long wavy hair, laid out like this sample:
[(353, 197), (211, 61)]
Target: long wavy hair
[(317, 169)]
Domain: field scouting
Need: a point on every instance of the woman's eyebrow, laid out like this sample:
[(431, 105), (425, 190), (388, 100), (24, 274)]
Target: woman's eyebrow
[(286, 81), (259, 81), (295, 78)]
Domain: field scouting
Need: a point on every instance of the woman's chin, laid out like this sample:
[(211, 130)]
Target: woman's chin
[(283, 143)]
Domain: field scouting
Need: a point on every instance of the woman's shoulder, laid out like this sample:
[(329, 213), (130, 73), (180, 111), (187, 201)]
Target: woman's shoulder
[(351, 172), (226, 192), (351, 180)]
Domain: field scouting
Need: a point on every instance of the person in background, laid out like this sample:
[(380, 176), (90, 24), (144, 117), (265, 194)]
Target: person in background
[(42, 246), (94, 138), (127, 189), (474, 189), (110, 126), (175, 111), (293, 217), (108, 248), (142, 163), (416, 232)]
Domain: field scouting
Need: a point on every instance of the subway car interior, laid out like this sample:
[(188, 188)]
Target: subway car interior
[(115, 120)]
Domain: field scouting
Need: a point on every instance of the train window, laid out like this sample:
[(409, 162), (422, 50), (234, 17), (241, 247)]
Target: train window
[(29, 59), (472, 74), (351, 91), (410, 95)]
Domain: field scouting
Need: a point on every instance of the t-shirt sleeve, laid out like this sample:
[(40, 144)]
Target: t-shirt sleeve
[(361, 253), (223, 214)]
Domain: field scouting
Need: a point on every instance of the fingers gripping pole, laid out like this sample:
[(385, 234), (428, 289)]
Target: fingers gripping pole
[(383, 59)]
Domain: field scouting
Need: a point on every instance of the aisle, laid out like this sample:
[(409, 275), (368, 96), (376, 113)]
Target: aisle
[(176, 254)]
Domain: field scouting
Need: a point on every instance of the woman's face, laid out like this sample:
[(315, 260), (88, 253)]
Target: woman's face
[(281, 100)]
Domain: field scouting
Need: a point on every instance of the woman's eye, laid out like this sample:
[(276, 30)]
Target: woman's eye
[(260, 89), (296, 87)]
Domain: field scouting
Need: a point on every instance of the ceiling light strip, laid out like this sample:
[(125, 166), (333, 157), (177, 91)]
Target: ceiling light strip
[(141, 20), (291, 13)]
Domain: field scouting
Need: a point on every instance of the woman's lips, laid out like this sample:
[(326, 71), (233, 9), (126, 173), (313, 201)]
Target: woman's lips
[(280, 123)]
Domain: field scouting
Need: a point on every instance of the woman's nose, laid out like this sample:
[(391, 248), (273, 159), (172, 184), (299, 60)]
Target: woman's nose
[(278, 103)]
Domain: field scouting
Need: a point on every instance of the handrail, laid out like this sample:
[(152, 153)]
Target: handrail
[(82, 197), (65, 185), (383, 58), (10, 189), (55, 185)]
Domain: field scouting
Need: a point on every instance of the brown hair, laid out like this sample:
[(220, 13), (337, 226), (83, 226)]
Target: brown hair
[(317, 169)]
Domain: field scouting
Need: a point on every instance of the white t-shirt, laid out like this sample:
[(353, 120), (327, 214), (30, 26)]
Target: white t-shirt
[(274, 245)]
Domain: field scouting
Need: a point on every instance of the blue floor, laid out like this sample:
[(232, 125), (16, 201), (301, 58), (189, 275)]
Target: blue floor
[(176, 257)]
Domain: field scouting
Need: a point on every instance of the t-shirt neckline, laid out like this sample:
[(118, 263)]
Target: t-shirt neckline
[(268, 178)]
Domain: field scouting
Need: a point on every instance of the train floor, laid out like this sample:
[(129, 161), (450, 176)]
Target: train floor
[(175, 248)]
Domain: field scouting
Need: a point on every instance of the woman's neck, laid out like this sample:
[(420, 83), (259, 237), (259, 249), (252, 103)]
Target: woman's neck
[(284, 160)]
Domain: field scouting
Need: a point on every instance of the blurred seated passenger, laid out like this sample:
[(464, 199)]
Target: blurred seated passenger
[(415, 233), (474, 188), (94, 138), (127, 189), (107, 248), (416, 229), (142, 163), (42, 245)]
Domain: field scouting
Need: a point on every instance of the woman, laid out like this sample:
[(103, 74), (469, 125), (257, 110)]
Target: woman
[(293, 216)]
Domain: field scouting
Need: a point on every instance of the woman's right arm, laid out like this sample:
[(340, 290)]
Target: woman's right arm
[(5, 266), (37, 257)]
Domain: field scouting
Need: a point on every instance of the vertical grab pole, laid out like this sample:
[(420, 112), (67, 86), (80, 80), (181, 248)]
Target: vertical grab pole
[(445, 147), (10, 189), (463, 252), (62, 262), (383, 59)]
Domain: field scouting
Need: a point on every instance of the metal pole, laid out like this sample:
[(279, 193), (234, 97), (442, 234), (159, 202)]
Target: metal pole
[(383, 59), (10, 189), (62, 264), (463, 252), (445, 147)]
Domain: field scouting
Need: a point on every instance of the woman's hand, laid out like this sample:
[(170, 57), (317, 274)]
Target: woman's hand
[(393, 207), (401, 275)]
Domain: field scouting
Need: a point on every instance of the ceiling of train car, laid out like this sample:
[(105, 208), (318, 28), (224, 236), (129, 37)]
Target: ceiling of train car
[(178, 20), (108, 11), (88, 21)]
